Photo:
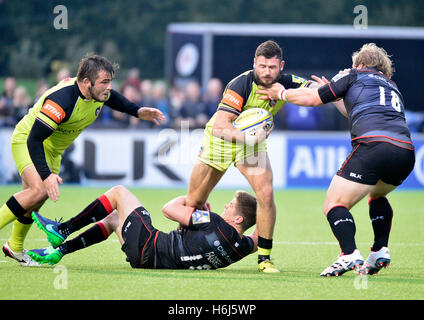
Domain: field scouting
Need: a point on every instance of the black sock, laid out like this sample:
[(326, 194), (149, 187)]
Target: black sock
[(95, 211), (15, 207), (95, 234), (264, 249), (381, 215), (343, 227)]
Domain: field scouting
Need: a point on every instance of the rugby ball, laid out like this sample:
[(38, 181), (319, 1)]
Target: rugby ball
[(251, 120)]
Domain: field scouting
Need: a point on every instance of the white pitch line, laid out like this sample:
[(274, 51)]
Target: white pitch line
[(332, 243)]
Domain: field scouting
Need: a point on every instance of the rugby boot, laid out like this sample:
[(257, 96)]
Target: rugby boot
[(343, 264), (46, 255), (267, 266), (376, 261), (22, 257), (50, 228)]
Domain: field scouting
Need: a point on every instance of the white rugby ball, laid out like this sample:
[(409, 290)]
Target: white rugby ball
[(251, 120)]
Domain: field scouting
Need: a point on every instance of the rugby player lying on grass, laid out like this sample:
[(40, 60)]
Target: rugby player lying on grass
[(204, 240)]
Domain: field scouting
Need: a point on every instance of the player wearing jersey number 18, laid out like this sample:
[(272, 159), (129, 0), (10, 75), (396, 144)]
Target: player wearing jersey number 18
[(382, 156), (50, 126)]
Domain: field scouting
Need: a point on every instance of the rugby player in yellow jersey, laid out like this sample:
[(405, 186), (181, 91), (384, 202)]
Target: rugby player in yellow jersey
[(223, 144), (50, 126)]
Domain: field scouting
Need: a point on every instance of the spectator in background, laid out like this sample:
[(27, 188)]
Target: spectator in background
[(133, 95), (133, 79), (161, 101), (213, 96), (6, 101), (42, 86), (62, 74), (176, 98), (193, 109), (146, 90), (21, 103)]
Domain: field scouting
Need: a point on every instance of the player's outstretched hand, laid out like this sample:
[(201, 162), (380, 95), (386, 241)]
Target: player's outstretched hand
[(270, 93), (321, 81), (151, 114), (52, 186)]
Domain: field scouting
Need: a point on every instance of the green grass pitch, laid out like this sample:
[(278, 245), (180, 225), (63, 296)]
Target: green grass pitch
[(303, 247)]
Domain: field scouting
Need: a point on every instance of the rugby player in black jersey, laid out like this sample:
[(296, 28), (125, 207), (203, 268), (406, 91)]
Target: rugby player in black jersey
[(382, 153), (204, 240), (49, 127)]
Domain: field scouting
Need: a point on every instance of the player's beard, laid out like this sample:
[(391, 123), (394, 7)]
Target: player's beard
[(96, 96), (258, 81)]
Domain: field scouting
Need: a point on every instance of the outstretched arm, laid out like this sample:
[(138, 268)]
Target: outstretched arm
[(339, 104), (118, 102), (300, 96)]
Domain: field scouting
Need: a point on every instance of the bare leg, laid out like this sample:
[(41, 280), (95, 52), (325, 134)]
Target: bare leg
[(123, 200), (260, 179), (202, 181), (33, 194), (343, 192), (258, 172)]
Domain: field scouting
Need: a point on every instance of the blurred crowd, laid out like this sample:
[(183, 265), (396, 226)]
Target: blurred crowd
[(190, 106)]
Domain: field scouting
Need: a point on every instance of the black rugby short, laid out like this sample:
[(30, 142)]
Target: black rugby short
[(369, 162), (139, 239)]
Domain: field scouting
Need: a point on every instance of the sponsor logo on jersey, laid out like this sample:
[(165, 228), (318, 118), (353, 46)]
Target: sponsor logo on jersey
[(233, 99), (52, 110), (213, 259), (200, 216), (191, 258), (297, 79)]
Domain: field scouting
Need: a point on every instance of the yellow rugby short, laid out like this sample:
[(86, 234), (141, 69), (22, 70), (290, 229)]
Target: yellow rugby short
[(23, 160)]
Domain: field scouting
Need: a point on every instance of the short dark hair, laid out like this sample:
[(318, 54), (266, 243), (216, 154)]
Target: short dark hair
[(246, 206), (91, 64), (269, 49)]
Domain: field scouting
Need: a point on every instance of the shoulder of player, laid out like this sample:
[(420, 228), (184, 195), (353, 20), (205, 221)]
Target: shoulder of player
[(237, 92), (374, 73), (349, 75), (241, 83), (291, 80), (65, 96)]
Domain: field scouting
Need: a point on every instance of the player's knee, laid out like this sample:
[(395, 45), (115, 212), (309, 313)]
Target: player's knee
[(118, 190), (330, 205), (38, 193)]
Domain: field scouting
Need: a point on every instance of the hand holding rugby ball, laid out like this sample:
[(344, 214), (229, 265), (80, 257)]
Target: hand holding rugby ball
[(251, 120)]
